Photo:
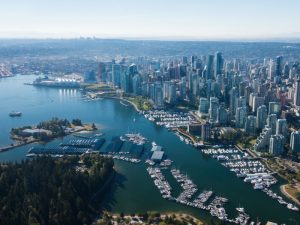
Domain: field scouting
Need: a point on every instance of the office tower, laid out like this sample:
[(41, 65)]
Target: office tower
[(116, 75), (222, 115), (193, 59), (158, 95), (257, 101), (240, 102), (240, 117), (101, 72), (297, 93), (271, 70), (286, 70), (242, 88), (136, 84), (274, 108), (205, 131), (213, 108), (276, 144), (172, 94), (278, 67), (182, 90), (203, 106), (281, 127), (261, 116), (233, 95), (271, 122), (184, 60), (195, 84), (210, 67), (251, 99), (250, 125), (182, 70), (295, 141), (218, 64)]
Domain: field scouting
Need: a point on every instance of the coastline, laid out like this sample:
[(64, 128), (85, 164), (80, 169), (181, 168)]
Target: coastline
[(288, 195), (183, 217), (86, 128)]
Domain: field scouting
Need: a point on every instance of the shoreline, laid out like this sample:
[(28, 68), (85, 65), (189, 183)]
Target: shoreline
[(33, 141), (176, 215), (288, 195)]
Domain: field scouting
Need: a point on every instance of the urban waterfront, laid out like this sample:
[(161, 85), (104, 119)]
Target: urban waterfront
[(134, 190)]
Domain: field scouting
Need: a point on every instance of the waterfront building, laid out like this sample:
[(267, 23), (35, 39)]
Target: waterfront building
[(263, 140), (116, 75), (203, 106), (276, 146), (261, 116), (136, 84), (171, 93), (101, 74), (213, 108), (205, 131), (158, 96), (240, 117), (222, 115), (295, 141), (250, 125)]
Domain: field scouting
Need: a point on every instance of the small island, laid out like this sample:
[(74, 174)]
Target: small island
[(48, 130)]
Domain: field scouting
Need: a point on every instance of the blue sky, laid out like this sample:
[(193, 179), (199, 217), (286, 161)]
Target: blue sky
[(151, 19)]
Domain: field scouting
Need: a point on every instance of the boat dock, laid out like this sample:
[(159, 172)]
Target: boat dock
[(94, 144), (66, 150)]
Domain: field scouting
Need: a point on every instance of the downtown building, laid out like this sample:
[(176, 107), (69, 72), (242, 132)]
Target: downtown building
[(276, 146), (295, 141)]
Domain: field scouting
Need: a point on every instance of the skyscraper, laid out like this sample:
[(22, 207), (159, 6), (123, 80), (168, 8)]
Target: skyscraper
[(276, 144), (297, 93), (281, 127), (218, 64), (205, 131), (271, 122), (240, 117), (274, 108), (204, 105), (222, 117), (116, 75), (210, 67), (261, 116), (213, 108), (278, 67), (250, 125), (295, 141)]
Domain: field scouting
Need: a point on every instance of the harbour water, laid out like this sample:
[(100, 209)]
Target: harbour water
[(134, 190)]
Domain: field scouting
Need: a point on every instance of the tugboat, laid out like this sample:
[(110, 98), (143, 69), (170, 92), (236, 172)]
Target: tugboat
[(15, 114)]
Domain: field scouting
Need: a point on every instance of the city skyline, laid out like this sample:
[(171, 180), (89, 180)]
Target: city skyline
[(189, 20)]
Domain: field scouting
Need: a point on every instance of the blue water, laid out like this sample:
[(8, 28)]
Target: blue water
[(134, 191)]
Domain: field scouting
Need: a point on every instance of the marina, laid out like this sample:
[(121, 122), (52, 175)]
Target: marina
[(251, 170), (169, 119), (114, 119), (215, 207)]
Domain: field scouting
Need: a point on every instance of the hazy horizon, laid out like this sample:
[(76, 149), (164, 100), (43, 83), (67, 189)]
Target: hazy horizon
[(154, 20)]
